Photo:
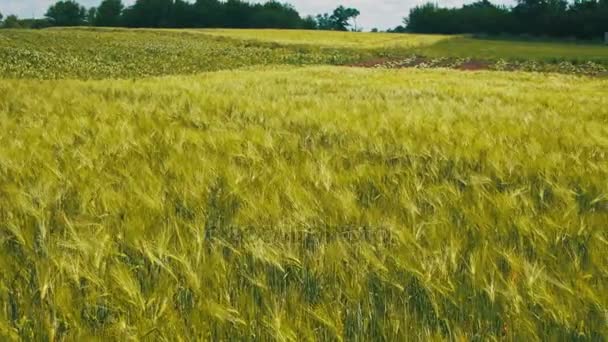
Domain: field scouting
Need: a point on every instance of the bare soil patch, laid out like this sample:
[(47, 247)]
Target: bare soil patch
[(474, 65)]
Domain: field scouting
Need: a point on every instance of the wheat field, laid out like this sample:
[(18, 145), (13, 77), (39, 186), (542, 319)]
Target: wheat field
[(361, 40), (131, 54), (432, 45), (102, 53), (316, 203)]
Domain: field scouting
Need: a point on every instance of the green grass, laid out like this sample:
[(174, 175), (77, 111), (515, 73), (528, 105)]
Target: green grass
[(321, 203), (492, 49), (359, 40), (432, 45), (120, 53), (89, 53)]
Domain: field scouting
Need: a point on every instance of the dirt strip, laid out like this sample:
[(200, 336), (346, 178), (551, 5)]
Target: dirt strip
[(468, 64)]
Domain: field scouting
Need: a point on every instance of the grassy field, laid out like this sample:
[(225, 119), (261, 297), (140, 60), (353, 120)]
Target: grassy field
[(119, 53), (432, 45), (362, 40), (492, 49), (241, 196)]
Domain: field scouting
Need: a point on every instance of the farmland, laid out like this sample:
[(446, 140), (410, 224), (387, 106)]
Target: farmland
[(432, 45), (234, 192), (98, 54), (120, 53), (364, 40)]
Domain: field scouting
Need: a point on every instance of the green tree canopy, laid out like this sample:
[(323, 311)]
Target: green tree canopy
[(197, 13), (109, 13), (557, 18), (339, 20), (324, 22), (342, 16), (149, 13), (209, 13), (11, 21), (66, 13)]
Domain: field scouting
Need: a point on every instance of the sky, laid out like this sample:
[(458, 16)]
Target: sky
[(381, 14)]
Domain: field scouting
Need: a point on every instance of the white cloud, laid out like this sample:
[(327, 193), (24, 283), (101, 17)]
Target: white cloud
[(374, 13)]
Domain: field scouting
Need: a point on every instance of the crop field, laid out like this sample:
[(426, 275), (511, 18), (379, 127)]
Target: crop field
[(432, 45), (492, 49), (229, 198), (120, 53), (363, 40)]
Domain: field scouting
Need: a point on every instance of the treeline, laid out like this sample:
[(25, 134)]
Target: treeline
[(183, 14), (556, 18)]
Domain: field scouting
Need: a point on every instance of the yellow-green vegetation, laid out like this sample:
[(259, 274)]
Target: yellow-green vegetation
[(431, 45), (522, 50), (359, 40), (120, 53), (323, 203), (95, 53)]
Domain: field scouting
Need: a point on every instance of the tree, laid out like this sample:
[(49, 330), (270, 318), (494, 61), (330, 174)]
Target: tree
[(109, 13), (182, 14), (12, 21), (398, 29), (309, 23), (149, 13), (325, 22), (557, 18), (208, 13), (1, 17), (428, 18), (91, 14), (236, 14), (342, 16), (540, 16), (66, 13), (274, 14), (339, 20)]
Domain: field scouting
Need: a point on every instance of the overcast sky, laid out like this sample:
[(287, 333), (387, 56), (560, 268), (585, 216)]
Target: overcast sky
[(374, 13)]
